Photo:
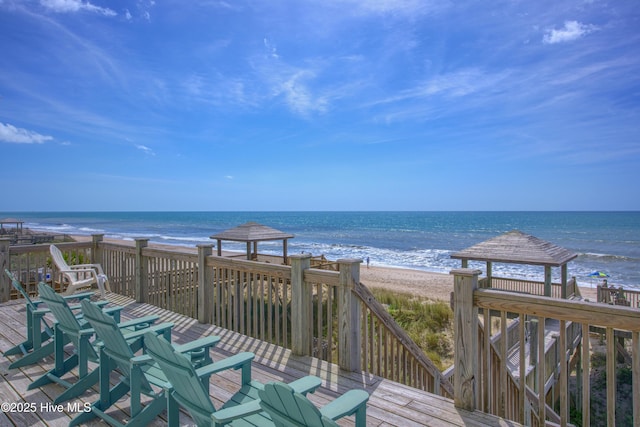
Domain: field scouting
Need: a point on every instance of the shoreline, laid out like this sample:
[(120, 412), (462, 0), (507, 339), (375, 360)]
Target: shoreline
[(421, 283)]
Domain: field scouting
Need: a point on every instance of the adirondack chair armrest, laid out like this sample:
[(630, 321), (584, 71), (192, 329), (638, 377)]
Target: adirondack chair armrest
[(95, 267), (86, 332), (75, 307), (41, 312), (304, 385), (36, 302), (137, 321), (143, 359), (185, 348), (85, 266), (231, 413), (197, 344), (111, 310), (78, 296), (236, 361), (161, 328), (346, 404), (79, 270)]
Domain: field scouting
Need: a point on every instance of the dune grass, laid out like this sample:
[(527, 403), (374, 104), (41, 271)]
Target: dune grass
[(429, 323)]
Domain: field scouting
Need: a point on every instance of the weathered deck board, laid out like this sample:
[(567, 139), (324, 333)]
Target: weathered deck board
[(391, 404)]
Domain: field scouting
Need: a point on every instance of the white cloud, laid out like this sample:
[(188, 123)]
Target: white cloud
[(572, 30), (271, 48), (146, 149), (65, 6), (298, 95), (9, 133), (391, 7)]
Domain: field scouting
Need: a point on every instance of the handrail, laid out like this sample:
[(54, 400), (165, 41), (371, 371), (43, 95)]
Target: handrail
[(419, 371), (545, 360), (618, 296)]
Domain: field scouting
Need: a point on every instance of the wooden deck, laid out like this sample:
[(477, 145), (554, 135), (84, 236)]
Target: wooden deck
[(391, 404)]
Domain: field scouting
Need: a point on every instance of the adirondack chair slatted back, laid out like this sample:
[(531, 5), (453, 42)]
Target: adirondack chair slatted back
[(59, 261), (287, 408), (188, 390), (115, 345), (28, 301), (18, 286), (39, 331), (67, 321)]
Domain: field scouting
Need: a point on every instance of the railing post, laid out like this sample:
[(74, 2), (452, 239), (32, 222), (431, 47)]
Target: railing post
[(141, 272), (349, 312), (465, 329), (96, 250), (205, 284), (300, 304), (5, 262)]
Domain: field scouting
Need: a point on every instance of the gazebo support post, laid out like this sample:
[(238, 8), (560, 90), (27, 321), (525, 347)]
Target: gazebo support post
[(547, 280), (564, 273), (284, 252)]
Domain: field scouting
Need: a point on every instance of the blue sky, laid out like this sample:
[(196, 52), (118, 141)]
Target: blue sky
[(319, 105)]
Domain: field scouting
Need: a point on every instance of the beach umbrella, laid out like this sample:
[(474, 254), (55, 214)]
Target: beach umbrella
[(599, 274)]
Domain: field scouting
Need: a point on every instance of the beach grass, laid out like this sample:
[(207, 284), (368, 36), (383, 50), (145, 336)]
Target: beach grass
[(428, 322)]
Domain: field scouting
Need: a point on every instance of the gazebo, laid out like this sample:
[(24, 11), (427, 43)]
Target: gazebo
[(252, 233), (516, 247), (13, 221)]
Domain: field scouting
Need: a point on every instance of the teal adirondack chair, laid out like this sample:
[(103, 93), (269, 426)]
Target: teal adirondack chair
[(39, 342), (188, 390), (70, 328), (289, 408), (138, 376)]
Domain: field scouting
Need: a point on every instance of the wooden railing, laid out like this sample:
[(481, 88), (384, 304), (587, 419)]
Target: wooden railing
[(619, 296), (32, 264), (316, 312), (529, 286), (531, 402), (388, 351)]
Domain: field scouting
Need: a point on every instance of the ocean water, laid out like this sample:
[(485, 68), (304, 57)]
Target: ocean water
[(605, 241)]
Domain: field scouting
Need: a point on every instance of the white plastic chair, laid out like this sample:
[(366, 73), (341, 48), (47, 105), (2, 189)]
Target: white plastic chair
[(79, 276)]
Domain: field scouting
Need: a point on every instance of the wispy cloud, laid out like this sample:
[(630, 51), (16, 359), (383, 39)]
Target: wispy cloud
[(71, 6), (572, 30), (298, 94), (10, 133), (410, 8), (270, 47), (145, 149)]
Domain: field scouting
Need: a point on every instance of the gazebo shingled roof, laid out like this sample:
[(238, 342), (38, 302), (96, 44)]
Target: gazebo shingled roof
[(519, 248), (252, 232)]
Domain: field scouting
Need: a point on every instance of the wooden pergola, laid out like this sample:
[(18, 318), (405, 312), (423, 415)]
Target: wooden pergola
[(13, 221), (252, 233), (516, 247)]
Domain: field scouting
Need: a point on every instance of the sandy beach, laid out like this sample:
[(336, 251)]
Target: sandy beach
[(436, 286)]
